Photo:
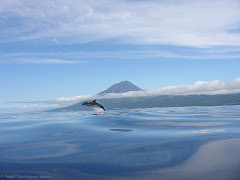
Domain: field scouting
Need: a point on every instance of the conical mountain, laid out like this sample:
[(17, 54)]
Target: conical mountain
[(121, 87)]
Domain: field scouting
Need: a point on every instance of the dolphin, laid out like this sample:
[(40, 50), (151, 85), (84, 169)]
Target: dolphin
[(93, 104)]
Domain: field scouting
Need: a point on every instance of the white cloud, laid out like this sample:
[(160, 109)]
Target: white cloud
[(201, 87), (185, 22), (75, 98)]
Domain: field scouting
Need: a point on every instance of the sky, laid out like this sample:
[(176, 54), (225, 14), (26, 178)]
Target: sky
[(55, 52)]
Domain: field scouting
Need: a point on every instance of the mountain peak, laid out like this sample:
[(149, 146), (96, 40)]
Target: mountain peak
[(121, 87)]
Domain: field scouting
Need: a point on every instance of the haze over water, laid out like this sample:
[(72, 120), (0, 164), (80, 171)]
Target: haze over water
[(156, 143)]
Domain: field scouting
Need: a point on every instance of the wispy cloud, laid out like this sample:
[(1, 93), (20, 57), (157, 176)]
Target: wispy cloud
[(79, 56), (40, 61), (185, 22), (201, 87)]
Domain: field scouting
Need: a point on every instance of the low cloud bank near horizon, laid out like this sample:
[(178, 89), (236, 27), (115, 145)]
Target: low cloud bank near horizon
[(199, 88)]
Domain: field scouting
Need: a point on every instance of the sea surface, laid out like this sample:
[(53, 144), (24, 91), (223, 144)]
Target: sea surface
[(155, 143)]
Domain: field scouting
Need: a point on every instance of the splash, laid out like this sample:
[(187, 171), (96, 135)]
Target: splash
[(98, 111)]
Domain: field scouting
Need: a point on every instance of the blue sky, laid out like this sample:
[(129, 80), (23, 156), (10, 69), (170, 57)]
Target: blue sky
[(53, 49)]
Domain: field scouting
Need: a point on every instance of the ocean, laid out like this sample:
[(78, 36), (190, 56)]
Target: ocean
[(173, 143)]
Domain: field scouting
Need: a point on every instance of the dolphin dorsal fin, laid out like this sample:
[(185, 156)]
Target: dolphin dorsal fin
[(94, 100)]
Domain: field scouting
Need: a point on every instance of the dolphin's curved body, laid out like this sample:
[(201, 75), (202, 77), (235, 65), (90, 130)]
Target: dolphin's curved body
[(93, 104)]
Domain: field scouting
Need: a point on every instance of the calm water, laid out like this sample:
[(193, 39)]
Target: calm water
[(156, 143)]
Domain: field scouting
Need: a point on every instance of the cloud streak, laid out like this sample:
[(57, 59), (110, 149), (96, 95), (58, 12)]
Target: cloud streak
[(92, 56), (185, 23), (40, 61)]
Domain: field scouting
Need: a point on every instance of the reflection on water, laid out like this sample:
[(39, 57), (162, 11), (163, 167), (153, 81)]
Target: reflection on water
[(121, 130), (65, 132), (122, 144), (204, 131)]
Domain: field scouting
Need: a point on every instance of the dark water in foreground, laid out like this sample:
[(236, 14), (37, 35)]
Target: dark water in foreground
[(156, 143)]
